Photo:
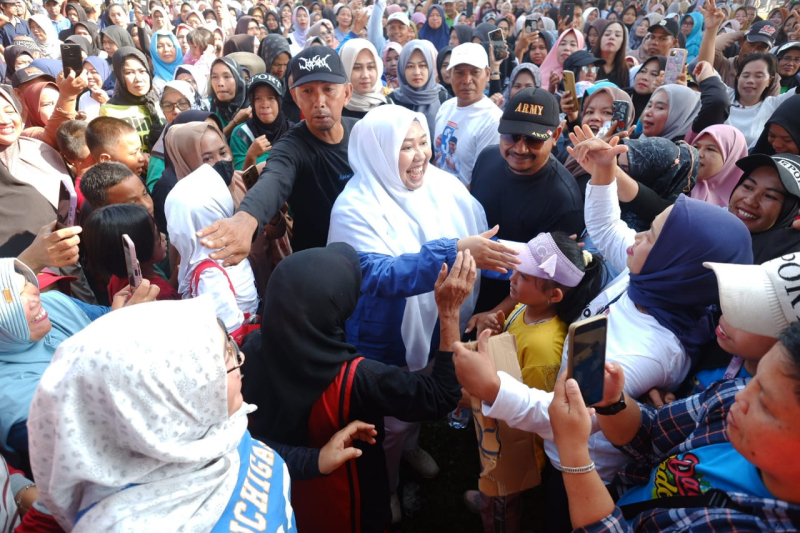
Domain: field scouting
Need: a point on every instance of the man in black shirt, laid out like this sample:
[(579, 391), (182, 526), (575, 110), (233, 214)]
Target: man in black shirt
[(522, 187), (308, 166)]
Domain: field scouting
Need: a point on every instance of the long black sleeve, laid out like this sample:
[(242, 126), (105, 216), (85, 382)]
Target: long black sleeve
[(715, 106), (647, 204), (384, 390), (302, 462), (274, 185)]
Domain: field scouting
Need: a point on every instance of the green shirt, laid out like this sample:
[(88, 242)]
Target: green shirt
[(241, 140)]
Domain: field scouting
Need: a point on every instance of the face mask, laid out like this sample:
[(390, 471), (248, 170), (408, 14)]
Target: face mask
[(224, 169)]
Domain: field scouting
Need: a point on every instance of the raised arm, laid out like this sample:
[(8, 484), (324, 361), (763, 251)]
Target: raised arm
[(713, 18)]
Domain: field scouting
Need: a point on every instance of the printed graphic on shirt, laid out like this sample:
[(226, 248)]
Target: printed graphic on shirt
[(677, 476), (260, 501), (446, 149)]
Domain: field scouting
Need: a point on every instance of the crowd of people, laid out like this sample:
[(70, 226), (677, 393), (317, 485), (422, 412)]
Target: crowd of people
[(333, 198)]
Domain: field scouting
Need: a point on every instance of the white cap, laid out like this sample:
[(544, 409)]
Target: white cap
[(400, 16), (469, 53), (761, 299)]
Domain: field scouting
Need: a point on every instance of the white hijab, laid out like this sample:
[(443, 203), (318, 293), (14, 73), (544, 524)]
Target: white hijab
[(349, 52), (197, 201), (376, 213), (52, 47), (129, 426)]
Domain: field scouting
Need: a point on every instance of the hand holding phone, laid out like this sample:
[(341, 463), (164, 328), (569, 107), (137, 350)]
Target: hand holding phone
[(620, 112), (498, 42), (71, 59), (586, 356), (676, 62), (567, 13), (569, 84)]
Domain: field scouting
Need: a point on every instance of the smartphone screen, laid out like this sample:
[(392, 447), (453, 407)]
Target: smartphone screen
[(587, 356), (530, 26), (498, 43), (132, 264)]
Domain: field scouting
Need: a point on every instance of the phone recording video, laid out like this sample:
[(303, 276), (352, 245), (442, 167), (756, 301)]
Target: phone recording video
[(586, 358)]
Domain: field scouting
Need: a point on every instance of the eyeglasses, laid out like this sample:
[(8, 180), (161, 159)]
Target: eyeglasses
[(516, 137), (589, 70), (790, 59), (182, 105), (232, 350)]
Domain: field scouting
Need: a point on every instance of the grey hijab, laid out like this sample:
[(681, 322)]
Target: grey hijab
[(530, 67), (424, 100), (684, 105)]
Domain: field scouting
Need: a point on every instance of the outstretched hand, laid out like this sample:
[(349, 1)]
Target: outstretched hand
[(339, 448), (713, 17), (592, 151), (451, 290), (489, 254)]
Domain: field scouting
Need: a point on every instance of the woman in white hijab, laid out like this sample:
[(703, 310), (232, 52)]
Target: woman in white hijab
[(139, 424), (195, 202), (405, 218), (46, 36), (364, 69)]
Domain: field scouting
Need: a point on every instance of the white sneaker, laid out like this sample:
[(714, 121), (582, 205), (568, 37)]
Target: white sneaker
[(397, 511), (422, 462)]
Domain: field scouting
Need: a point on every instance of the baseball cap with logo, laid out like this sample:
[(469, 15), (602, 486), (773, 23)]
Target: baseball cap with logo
[(532, 112), (265, 79), (24, 75), (763, 32), (469, 54), (787, 166), (668, 25), (400, 16), (317, 63), (760, 299)]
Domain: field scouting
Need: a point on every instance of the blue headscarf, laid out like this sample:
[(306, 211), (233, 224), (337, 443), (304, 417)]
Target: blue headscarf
[(48, 66), (695, 36), (23, 362), (674, 286), (439, 37), (162, 69), (102, 67)]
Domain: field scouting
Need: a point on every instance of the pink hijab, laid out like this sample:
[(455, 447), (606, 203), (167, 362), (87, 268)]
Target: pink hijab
[(551, 64), (717, 189)]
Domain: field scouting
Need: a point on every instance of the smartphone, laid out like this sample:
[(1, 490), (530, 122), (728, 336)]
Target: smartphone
[(676, 62), (145, 7), (531, 26), (470, 8), (620, 112), (569, 83), (250, 176), (67, 204), (134, 271), (71, 59), (498, 42), (586, 358), (567, 13)]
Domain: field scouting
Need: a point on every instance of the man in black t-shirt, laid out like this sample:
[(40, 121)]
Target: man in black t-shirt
[(522, 187), (308, 166)]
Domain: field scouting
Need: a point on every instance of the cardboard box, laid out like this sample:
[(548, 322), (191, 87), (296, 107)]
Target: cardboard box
[(508, 459)]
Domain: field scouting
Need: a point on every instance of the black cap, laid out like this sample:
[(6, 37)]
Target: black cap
[(265, 79), (582, 58), (533, 112), (24, 75), (317, 63), (668, 25), (762, 32), (787, 165)]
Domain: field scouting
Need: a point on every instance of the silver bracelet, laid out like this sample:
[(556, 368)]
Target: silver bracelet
[(18, 499), (578, 469)]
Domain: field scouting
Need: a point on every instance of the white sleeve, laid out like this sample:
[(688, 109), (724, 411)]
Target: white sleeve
[(521, 407), (607, 231), (213, 282)]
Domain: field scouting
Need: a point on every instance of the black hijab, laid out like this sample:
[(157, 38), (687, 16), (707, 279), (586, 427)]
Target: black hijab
[(277, 30), (443, 54), (786, 116), (82, 18), (119, 36), (239, 43), (227, 110), (463, 32), (242, 23), (303, 343), (122, 96), (640, 100), (11, 54), (281, 124)]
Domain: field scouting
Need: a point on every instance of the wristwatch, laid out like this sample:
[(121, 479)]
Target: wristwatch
[(612, 409)]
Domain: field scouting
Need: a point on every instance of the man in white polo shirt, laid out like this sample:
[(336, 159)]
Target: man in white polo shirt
[(466, 124)]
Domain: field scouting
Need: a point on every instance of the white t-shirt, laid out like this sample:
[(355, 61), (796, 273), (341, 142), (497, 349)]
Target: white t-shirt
[(461, 133), (750, 120), (89, 105)]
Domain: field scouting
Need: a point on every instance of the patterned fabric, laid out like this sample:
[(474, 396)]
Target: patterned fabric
[(131, 432), (680, 426)]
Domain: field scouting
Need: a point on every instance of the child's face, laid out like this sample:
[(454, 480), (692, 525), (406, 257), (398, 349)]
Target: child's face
[(529, 290), (160, 250)]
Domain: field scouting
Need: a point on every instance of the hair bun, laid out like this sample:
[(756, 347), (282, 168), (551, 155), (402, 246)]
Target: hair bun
[(587, 258)]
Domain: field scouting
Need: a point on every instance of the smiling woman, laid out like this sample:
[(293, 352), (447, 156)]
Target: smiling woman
[(364, 70)]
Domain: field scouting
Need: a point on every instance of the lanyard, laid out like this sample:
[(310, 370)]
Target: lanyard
[(733, 367)]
